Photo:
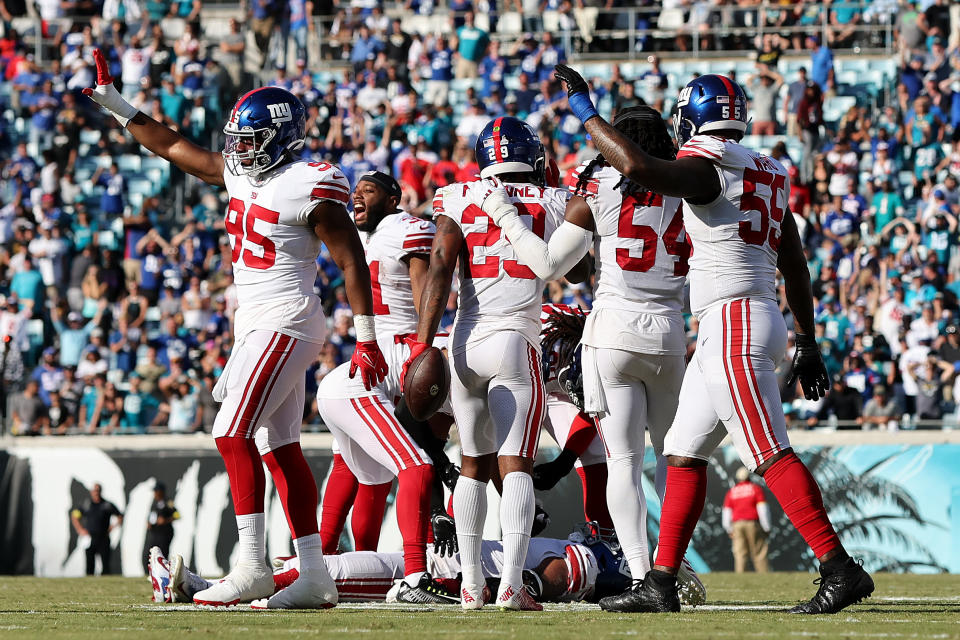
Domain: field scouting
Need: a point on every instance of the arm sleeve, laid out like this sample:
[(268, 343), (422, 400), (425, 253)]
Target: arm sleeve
[(763, 514), (550, 261), (727, 519)]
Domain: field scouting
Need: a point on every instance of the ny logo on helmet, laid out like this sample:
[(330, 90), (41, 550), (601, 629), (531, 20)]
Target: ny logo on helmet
[(684, 97), (280, 112)]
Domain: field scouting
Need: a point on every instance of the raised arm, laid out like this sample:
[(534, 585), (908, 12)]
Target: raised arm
[(166, 143), (807, 362), (332, 224), (568, 244), (692, 178)]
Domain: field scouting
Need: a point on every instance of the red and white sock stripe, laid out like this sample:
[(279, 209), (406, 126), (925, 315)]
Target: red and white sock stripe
[(742, 381)]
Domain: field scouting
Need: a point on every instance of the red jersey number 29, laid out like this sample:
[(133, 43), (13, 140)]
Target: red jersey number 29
[(245, 237)]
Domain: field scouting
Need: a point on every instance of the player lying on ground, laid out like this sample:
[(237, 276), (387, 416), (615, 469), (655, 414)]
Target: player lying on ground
[(736, 213), (583, 568), (372, 443), (281, 211), (494, 349)]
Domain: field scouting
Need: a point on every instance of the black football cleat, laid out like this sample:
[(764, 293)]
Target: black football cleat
[(644, 597), (838, 589), (427, 591)]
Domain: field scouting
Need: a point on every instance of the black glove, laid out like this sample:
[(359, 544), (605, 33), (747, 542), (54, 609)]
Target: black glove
[(808, 367), (540, 521), (547, 475), (449, 474), (444, 533), (573, 80), (578, 92)]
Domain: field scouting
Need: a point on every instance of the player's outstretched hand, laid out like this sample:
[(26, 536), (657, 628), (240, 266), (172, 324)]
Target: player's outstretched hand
[(106, 95), (444, 533), (368, 359), (547, 475), (416, 348), (808, 367), (578, 92), (497, 205)]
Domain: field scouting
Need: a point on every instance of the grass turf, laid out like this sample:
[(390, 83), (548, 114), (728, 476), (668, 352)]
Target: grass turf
[(745, 606)]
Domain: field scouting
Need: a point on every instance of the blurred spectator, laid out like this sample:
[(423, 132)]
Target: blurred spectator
[(881, 411), (471, 46), (94, 521), (28, 411), (932, 376), (764, 88)]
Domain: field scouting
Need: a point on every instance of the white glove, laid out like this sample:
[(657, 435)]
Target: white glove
[(106, 95), (497, 206)]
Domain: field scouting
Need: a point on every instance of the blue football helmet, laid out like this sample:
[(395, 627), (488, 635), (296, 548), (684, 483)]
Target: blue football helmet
[(709, 103), (510, 145), (264, 125)]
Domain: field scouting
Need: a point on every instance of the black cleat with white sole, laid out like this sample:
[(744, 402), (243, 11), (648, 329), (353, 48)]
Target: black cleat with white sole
[(839, 588), (427, 591), (645, 596)]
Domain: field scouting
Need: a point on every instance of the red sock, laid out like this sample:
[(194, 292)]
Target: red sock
[(245, 470), (296, 487), (582, 432), (368, 510), (682, 506), (338, 497), (594, 480), (413, 515), (797, 492)]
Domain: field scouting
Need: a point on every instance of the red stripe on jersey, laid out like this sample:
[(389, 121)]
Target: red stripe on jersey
[(417, 246), (246, 420), (496, 139), (330, 194), (697, 153), (292, 344)]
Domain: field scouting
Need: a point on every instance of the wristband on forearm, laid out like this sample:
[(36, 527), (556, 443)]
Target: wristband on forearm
[(365, 328), (582, 106)]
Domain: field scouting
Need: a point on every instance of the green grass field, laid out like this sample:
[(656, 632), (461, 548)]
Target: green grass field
[(748, 606)]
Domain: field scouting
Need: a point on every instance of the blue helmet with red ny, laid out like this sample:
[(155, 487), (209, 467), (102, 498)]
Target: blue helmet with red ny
[(510, 145), (264, 127), (709, 103)]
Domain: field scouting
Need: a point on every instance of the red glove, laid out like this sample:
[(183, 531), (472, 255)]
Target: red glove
[(106, 95), (416, 348), (369, 360)]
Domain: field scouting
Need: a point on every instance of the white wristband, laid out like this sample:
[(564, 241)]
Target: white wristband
[(109, 98), (365, 327)]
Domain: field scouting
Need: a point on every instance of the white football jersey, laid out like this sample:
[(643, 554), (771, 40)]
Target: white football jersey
[(737, 236), (395, 238), (641, 252), (274, 248), (497, 292)]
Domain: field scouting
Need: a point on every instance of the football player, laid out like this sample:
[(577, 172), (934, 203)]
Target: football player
[(281, 210), (736, 213), (566, 423), (373, 444), (581, 568), (497, 388), (634, 340)]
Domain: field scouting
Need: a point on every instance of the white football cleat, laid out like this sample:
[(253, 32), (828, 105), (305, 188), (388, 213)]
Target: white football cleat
[(184, 583), (313, 590), (243, 584), (473, 597), (516, 598), (691, 590), (159, 570)]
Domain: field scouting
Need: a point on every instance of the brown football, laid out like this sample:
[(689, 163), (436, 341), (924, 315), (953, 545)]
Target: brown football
[(427, 383)]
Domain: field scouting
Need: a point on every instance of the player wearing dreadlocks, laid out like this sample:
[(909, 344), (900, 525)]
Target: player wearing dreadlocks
[(634, 340), (566, 422), (735, 210)]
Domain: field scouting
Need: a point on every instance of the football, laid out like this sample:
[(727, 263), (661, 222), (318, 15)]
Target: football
[(427, 383)]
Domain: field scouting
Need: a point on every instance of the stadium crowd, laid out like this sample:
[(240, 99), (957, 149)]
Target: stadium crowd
[(116, 293)]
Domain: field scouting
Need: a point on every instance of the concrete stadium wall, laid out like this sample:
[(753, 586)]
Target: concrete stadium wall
[(895, 498)]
